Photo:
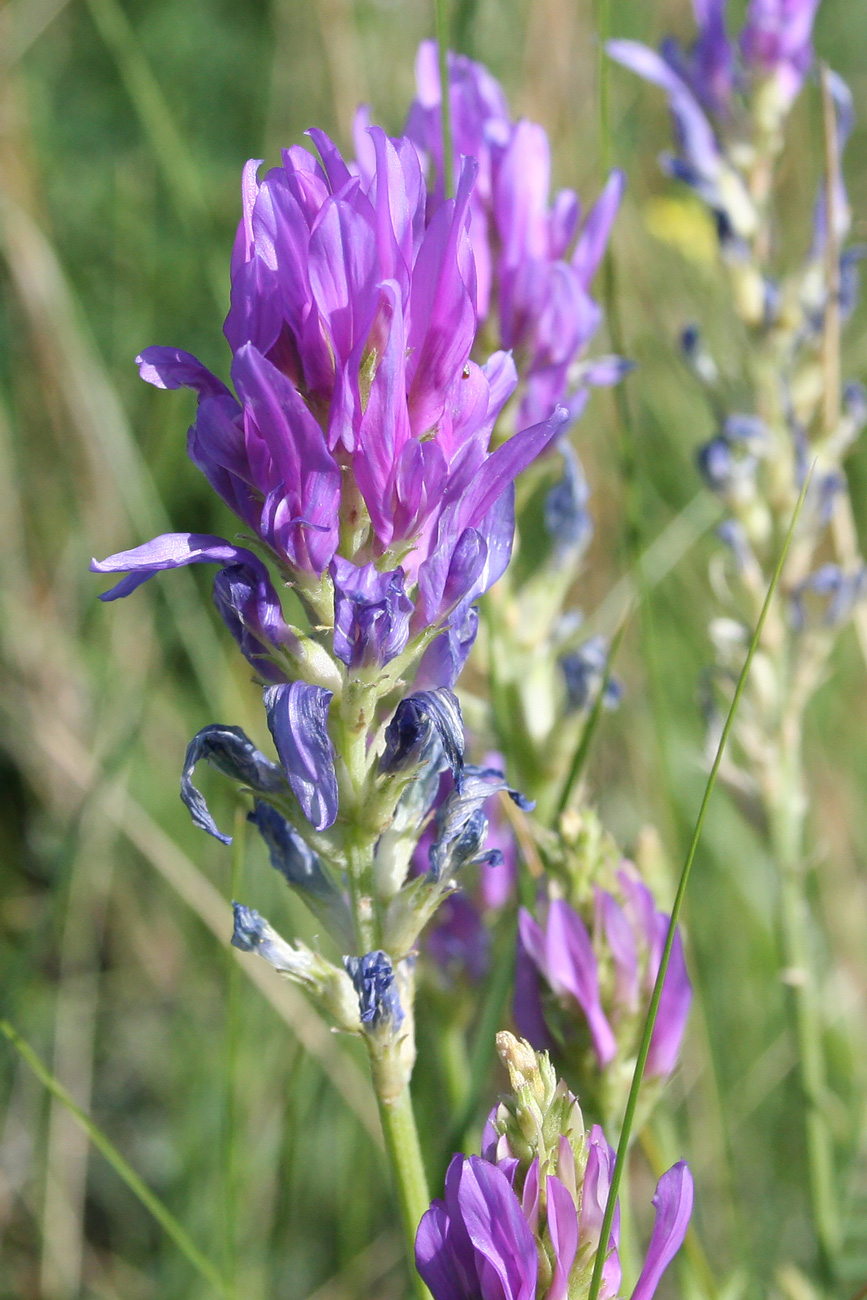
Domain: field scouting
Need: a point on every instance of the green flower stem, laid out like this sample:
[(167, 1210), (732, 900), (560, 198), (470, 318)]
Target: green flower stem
[(787, 827), (407, 1167)]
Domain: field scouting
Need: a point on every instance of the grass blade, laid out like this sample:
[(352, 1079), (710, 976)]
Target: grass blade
[(152, 1203)]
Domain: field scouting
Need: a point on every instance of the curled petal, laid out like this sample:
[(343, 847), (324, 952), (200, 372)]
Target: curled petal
[(231, 752), (170, 551), (174, 368), (297, 718)]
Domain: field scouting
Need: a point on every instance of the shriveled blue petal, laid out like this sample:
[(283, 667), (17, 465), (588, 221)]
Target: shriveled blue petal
[(371, 613), (297, 718), (170, 551), (673, 1204), (252, 933), (231, 752), (461, 825), (378, 999), (301, 867), (417, 720)]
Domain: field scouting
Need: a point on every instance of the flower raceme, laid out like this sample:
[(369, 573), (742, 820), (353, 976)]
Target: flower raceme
[(356, 449), (524, 1219)]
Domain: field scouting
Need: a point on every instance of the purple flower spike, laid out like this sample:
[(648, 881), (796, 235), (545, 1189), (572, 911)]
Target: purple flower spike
[(673, 1203), (371, 614), (476, 1244), (297, 718)]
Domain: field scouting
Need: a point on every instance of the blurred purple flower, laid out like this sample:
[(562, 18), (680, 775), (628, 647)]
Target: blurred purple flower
[(527, 276), (627, 938), (777, 41)]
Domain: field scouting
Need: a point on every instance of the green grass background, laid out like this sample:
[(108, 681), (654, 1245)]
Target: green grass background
[(123, 128)]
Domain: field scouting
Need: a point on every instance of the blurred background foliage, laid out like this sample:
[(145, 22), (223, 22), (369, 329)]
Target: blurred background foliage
[(123, 128)]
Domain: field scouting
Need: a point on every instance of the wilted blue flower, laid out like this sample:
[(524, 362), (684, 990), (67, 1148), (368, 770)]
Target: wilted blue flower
[(421, 723), (378, 999), (252, 933), (461, 825), (827, 597), (302, 869), (584, 672), (566, 516)]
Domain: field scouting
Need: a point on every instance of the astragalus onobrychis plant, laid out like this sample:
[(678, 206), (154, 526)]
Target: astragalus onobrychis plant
[(412, 330)]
